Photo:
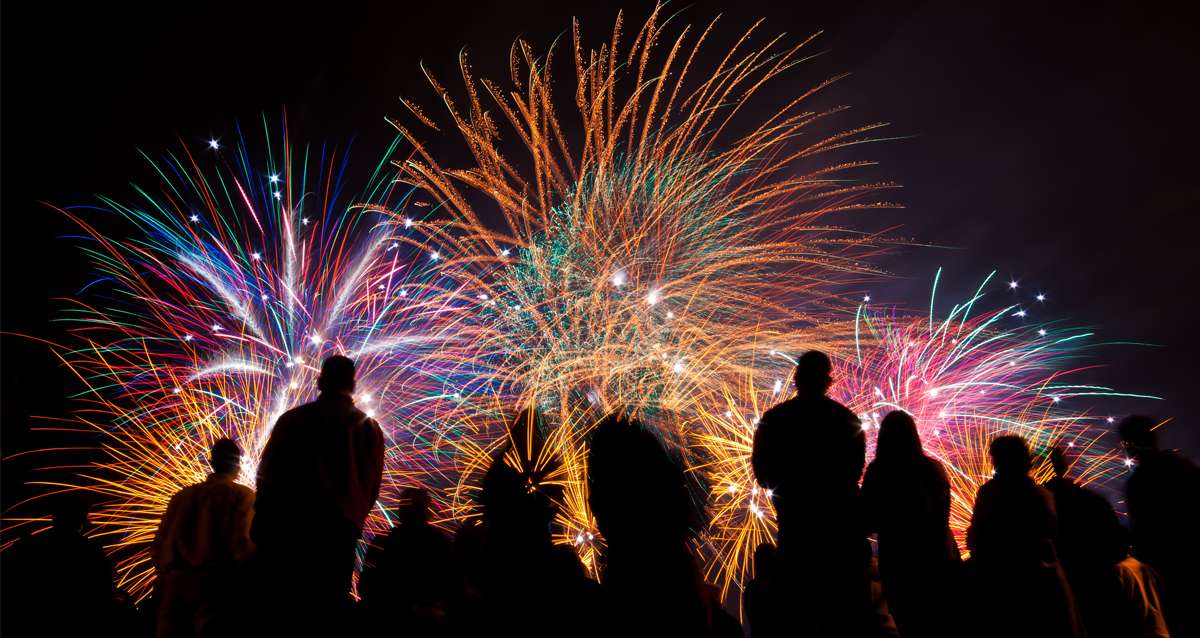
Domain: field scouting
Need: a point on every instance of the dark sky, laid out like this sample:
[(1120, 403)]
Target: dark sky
[(1055, 145)]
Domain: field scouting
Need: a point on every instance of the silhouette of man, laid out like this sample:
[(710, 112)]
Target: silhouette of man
[(1163, 495), (809, 453), (1022, 589), (639, 496), (202, 541), (318, 479), (406, 581), (59, 582)]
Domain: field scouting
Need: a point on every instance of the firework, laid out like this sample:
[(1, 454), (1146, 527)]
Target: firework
[(633, 266), (641, 264), (211, 315), (966, 377)]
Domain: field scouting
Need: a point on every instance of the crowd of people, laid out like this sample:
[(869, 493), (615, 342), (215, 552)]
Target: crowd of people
[(1048, 560)]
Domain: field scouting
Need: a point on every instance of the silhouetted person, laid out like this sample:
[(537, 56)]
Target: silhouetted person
[(1020, 588), (639, 496), (907, 498), (466, 606), (1163, 496), (1117, 595), (59, 582), (809, 452), (1078, 512), (202, 543), (530, 586), (755, 596), (1059, 484), (407, 579), (318, 479)]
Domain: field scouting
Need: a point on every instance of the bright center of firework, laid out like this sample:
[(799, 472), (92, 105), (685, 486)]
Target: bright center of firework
[(213, 144), (619, 278)]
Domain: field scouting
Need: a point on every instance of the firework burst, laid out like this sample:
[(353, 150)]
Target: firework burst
[(642, 264), (966, 377), (210, 317), (632, 267)]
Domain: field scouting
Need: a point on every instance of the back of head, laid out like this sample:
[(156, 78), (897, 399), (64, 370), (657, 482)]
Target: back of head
[(1058, 461), (814, 373), (337, 375), (636, 488), (69, 512), (517, 496), (898, 439), (225, 457), (1010, 456), (764, 560), (1137, 433), (414, 506)]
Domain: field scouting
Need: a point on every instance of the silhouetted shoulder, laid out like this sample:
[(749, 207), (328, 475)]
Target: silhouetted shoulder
[(290, 419), (775, 416), (369, 424), (841, 412)]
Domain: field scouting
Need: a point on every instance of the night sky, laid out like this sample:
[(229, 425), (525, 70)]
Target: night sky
[(1057, 146)]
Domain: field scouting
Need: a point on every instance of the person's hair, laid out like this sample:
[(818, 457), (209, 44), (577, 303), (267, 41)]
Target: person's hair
[(1137, 430), (414, 505), (898, 439), (225, 456), (814, 373), (69, 512), (1010, 455), (337, 375)]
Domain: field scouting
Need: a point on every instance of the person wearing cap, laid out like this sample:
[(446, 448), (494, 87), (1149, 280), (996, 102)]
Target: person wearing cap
[(202, 544)]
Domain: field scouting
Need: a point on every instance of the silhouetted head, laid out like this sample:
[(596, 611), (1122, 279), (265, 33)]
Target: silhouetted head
[(414, 506), (225, 457), (517, 507), (337, 375), (1010, 456), (764, 560), (1058, 461), (814, 373), (70, 513), (898, 438), (1137, 433), (519, 500), (638, 492)]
